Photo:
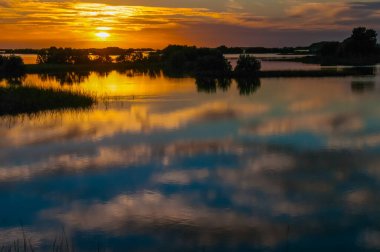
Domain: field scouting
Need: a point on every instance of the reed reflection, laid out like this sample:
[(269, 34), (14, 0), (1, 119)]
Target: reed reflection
[(66, 78), (245, 86), (12, 79), (248, 86), (363, 86)]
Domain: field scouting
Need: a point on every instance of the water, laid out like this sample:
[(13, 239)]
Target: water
[(266, 65), (270, 61), (27, 58), (163, 164)]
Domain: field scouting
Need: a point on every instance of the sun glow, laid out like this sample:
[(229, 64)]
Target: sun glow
[(103, 28), (102, 35)]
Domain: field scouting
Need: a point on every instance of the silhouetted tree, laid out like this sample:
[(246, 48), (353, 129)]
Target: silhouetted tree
[(199, 61), (54, 55), (247, 66), (329, 49), (363, 42), (10, 65), (213, 64), (102, 59), (123, 58), (130, 57)]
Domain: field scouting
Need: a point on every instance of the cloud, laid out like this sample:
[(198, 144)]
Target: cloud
[(121, 157), (136, 24), (150, 211), (317, 123), (370, 239), (181, 177), (335, 15), (5, 4), (103, 158), (355, 142), (101, 123)]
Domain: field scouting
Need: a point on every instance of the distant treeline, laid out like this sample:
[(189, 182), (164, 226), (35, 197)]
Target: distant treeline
[(179, 59), (224, 49), (261, 50), (361, 48), (96, 51)]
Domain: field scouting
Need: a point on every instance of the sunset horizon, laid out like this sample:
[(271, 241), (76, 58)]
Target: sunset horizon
[(156, 24)]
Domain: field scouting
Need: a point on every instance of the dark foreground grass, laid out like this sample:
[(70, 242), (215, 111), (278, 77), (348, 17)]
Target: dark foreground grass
[(25, 99)]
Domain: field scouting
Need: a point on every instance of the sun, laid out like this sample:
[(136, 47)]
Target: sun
[(102, 35)]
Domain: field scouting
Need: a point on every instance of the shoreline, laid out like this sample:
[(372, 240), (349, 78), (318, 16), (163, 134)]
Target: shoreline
[(55, 68)]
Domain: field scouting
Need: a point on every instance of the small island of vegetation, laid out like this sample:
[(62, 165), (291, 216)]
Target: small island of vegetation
[(16, 100)]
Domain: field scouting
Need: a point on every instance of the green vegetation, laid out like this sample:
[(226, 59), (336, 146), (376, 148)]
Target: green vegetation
[(25, 99)]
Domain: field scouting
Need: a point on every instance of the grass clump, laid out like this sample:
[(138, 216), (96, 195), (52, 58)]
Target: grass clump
[(16, 100)]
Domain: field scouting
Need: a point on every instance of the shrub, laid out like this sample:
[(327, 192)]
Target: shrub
[(247, 66), (11, 64)]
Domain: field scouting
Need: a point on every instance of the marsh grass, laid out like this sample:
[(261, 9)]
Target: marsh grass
[(15, 100), (25, 243)]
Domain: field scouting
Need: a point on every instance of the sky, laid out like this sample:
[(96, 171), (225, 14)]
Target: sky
[(157, 23)]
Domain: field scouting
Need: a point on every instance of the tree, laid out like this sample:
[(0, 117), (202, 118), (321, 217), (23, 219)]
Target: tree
[(247, 66), (54, 55), (363, 42), (325, 48), (11, 65), (213, 64), (102, 59)]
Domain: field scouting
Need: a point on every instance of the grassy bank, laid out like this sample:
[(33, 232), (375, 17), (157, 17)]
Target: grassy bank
[(19, 100)]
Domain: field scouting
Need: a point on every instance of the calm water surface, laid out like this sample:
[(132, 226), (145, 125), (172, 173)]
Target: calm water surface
[(169, 164), (266, 65)]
